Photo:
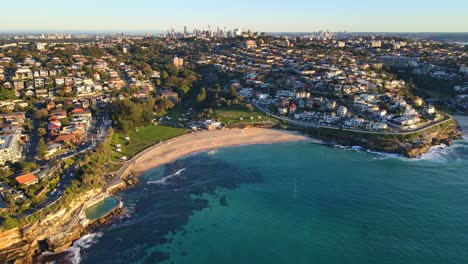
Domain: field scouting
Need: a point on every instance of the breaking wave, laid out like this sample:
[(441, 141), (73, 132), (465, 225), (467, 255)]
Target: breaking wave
[(71, 255), (440, 153), (164, 179)]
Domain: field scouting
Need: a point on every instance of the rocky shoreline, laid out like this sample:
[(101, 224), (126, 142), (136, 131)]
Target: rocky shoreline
[(54, 233), (409, 145)]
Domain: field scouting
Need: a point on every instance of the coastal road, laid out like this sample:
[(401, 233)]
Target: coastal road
[(62, 185), (309, 124), (98, 134), (31, 146), (55, 194)]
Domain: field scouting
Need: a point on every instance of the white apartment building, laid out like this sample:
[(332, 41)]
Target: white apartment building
[(10, 148)]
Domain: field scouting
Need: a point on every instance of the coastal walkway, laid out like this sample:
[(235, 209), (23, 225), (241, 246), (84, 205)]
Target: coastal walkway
[(126, 168)]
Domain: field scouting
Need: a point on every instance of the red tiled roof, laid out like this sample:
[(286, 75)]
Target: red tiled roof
[(26, 178), (78, 110)]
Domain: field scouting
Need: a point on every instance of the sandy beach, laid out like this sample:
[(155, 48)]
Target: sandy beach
[(173, 149)]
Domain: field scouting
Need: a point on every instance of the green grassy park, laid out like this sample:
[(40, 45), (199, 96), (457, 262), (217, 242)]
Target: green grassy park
[(237, 115), (141, 139)]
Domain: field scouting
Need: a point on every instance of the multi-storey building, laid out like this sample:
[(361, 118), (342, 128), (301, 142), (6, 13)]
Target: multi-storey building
[(10, 148)]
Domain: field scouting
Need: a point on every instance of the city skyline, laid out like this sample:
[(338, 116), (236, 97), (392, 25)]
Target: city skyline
[(258, 15)]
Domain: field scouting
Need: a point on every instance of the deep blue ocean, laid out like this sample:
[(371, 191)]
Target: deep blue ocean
[(299, 202)]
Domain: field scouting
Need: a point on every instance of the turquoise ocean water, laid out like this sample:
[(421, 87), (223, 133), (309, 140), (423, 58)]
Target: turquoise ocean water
[(296, 202)]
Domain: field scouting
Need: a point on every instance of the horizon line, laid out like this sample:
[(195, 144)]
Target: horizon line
[(38, 31)]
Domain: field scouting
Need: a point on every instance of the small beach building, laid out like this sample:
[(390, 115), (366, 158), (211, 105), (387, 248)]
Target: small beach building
[(27, 179)]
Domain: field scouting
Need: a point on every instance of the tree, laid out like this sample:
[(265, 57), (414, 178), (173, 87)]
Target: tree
[(41, 131), (41, 113), (201, 96), (164, 75), (28, 166), (232, 92), (164, 104), (249, 107), (5, 173), (6, 94), (41, 148), (9, 223), (183, 89)]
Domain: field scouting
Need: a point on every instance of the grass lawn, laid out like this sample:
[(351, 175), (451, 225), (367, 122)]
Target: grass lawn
[(174, 113), (141, 139), (233, 115)]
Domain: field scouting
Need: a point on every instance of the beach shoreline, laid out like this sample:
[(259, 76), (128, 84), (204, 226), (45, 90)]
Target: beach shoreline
[(173, 149)]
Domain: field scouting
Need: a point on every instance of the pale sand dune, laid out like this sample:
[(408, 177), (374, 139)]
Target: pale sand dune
[(178, 147)]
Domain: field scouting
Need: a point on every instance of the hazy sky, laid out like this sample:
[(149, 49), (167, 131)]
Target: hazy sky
[(258, 15)]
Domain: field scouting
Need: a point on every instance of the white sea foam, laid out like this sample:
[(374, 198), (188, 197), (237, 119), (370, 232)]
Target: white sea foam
[(442, 153), (439, 153), (164, 179), (73, 253), (84, 242)]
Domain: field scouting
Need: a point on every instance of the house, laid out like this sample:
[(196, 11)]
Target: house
[(58, 114), (51, 105), (211, 125), (283, 110), (178, 62), (292, 108), (169, 94), (379, 126), (342, 111), (250, 44), (13, 118), (331, 104), (27, 179), (19, 85), (68, 138), (430, 109), (23, 73), (349, 122), (357, 122), (39, 82), (418, 101), (310, 102), (53, 149), (5, 189)]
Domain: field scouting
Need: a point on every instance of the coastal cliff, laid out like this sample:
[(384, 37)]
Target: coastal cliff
[(409, 145), (54, 233)]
